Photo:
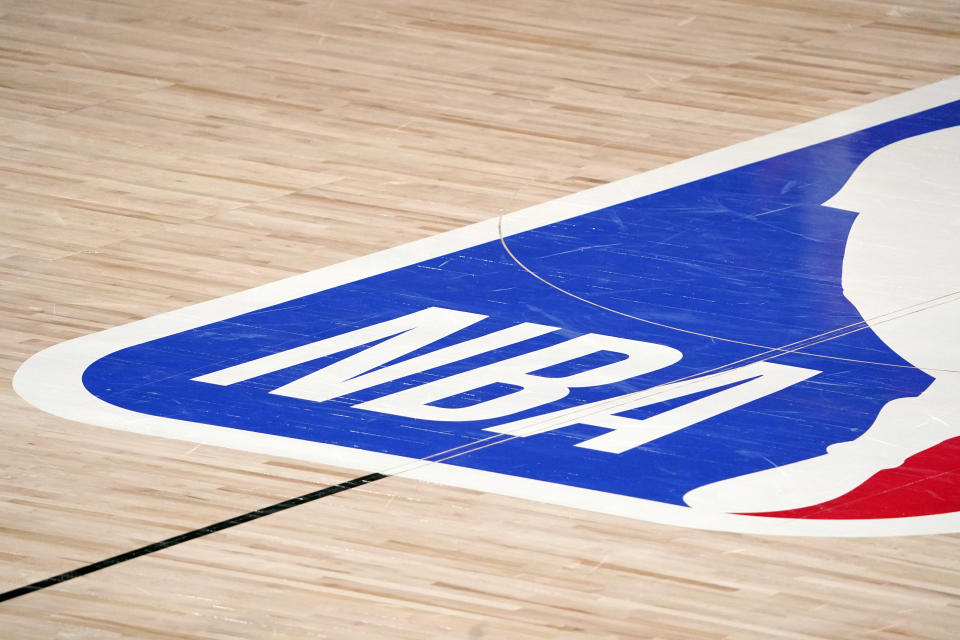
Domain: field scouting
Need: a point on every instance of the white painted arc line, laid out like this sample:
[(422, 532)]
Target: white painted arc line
[(770, 353), (863, 324)]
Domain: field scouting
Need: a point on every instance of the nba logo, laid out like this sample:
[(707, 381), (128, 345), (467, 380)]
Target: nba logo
[(763, 339)]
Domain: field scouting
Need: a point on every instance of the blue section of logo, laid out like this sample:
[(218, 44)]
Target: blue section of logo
[(749, 255)]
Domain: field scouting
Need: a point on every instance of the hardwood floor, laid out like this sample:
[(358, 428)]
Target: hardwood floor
[(158, 155)]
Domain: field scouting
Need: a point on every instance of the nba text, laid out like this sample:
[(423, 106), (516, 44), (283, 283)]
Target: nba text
[(397, 338)]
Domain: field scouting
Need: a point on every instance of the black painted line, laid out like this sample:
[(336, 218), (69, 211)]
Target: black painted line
[(192, 535)]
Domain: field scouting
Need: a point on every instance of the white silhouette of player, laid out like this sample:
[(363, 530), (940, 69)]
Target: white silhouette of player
[(903, 251)]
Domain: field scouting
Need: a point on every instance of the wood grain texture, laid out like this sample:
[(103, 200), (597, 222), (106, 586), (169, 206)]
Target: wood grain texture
[(157, 155)]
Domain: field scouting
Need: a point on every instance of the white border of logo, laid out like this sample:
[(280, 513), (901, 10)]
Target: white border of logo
[(52, 379)]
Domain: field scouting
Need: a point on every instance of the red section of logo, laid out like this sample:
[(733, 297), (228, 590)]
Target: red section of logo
[(927, 483)]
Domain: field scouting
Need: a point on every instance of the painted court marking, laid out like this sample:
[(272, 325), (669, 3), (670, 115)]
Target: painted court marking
[(581, 354), (190, 535), (305, 499)]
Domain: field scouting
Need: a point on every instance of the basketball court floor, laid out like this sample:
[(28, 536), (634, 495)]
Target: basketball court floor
[(438, 320)]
